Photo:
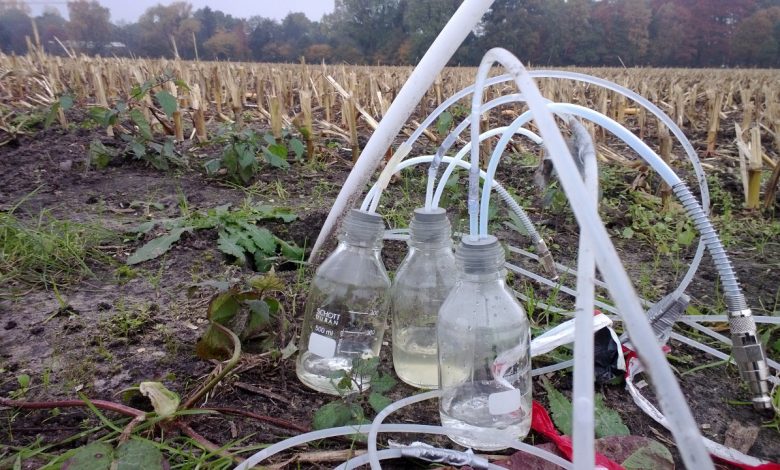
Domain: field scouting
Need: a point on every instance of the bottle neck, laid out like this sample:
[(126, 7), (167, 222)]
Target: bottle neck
[(480, 260)]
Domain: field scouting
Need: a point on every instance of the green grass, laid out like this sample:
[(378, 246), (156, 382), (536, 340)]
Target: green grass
[(47, 251)]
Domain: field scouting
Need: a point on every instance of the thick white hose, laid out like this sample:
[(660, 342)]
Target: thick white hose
[(465, 18), (583, 421), (682, 424)]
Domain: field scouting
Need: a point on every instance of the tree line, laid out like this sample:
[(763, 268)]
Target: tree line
[(679, 33)]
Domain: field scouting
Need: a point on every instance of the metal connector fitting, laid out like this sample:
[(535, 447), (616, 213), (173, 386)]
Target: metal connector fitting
[(750, 358), (546, 259), (428, 453)]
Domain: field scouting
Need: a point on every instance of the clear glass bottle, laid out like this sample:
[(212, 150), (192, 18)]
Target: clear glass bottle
[(484, 349), (346, 311), (422, 282)]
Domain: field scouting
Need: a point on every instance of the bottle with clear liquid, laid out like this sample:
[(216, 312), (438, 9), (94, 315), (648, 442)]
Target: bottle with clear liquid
[(422, 282), (484, 349), (346, 311)]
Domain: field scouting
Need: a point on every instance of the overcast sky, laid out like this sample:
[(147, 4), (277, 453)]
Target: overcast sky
[(129, 10)]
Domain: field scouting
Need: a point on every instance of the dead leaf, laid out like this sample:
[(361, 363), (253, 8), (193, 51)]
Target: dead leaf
[(740, 437)]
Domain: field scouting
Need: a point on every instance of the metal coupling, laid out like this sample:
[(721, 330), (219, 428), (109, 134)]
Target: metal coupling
[(750, 358), (546, 259), (457, 458)]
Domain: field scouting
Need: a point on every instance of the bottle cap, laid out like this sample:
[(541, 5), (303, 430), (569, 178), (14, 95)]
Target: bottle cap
[(480, 254), (363, 228), (430, 226)]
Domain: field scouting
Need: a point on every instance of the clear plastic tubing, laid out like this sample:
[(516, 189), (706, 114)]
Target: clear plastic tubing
[(371, 201), (564, 109), (392, 428), (449, 141), (444, 46), (672, 401), (459, 156)]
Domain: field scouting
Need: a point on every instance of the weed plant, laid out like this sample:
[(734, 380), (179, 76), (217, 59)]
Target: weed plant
[(47, 251)]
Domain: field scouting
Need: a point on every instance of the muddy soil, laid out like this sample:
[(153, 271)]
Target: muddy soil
[(79, 349)]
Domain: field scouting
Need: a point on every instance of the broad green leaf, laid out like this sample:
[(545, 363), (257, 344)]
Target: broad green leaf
[(262, 237), (443, 123), (157, 247), (167, 102), (259, 318), (382, 383), (66, 102), (274, 159), (560, 408), (269, 138), (238, 236), (297, 147), (608, 422), (378, 401), (628, 233), (332, 415), (138, 149), (229, 247), (95, 456), (635, 452), (143, 125), (212, 166), (290, 250), (267, 283), (365, 367), (653, 456), (273, 304), (271, 212), (263, 263), (137, 454), (99, 154), (246, 157), (223, 307), (164, 401), (100, 115)]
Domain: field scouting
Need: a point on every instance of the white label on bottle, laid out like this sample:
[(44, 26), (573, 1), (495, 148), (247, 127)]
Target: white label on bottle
[(501, 403), (322, 345)]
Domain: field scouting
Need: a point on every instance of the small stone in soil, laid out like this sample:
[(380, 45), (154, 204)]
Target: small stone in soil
[(103, 306), (37, 330), (10, 325)]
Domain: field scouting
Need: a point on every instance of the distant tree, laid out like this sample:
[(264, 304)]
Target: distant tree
[(372, 27), (714, 23), (318, 52), (14, 27), (757, 39), (422, 22), (89, 25), (50, 25), (264, 38), (225, 45), (672, 35), (161, 25)]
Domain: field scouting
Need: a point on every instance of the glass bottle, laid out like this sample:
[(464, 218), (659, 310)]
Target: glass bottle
[(422, 282), (346, 311), (484, 349)]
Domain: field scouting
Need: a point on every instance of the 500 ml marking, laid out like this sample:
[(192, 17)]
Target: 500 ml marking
[(323, 331)]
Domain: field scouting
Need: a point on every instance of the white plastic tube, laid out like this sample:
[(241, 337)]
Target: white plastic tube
[(452, 137), (397, 428), (583, 421), (465, 18), (682, 424)]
